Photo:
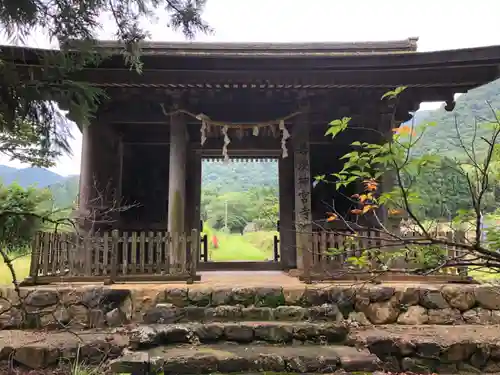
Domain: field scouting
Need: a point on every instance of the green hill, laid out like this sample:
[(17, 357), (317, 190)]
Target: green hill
[(29, 176), (477, 105), (65, 192), (64, 189), (239, 176)]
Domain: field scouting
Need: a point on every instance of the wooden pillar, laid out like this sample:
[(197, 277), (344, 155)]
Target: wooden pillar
[(189, 206), (177, 180), (193, 191), (197, 191), (302, 181), (288, 251), (85, 173), (193, 195), (99, 177), (119, 193)]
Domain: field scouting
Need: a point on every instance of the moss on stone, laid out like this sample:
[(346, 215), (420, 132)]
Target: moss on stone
[(271, 300)]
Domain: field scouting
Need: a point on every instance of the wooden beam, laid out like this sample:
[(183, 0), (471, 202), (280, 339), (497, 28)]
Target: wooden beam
[(46, 280), (141, 105), (274, 79)]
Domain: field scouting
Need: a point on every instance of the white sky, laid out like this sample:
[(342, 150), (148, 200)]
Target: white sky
[(439, 24)]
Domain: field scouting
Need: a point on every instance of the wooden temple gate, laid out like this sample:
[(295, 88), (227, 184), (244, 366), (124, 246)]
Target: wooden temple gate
[(198, 100)]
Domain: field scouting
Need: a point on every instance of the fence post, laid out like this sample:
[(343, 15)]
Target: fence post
[(35, 259), (182, 254), (460, 238), (45, 253), (451, 252), (114, 254), (194, 255), (87, 248), (307, 261), (174, 251)]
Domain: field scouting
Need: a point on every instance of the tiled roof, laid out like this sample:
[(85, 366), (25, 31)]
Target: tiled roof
[(265, 49)]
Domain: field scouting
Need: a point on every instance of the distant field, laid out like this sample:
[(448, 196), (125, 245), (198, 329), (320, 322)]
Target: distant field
[(255, 246)]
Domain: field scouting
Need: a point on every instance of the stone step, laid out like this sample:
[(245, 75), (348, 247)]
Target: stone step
[(230, 358), (148, 336), (364, 304), (424, 349), (104, 306), (165, 313), (44, 349), (428, 349)]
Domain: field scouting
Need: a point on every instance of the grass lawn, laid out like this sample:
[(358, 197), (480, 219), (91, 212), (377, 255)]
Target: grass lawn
[(256, 246), (21, 266), (484, 275)]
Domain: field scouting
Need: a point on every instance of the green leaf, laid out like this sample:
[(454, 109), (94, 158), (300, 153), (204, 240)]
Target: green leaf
[(335, 251), (394, 93), (361, 174), (336, 122), (336, 126)]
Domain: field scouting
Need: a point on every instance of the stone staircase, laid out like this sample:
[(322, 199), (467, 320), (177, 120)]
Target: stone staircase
[(229, 330), (314, 330), (242, 347), (348, 328)]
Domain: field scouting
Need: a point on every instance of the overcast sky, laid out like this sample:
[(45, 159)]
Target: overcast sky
[(439, 24)]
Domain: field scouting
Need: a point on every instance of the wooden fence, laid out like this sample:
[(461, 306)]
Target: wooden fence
[(114, 257), (322, 262)]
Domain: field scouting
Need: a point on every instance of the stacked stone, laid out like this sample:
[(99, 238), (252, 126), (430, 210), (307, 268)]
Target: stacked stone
[(194, 329)]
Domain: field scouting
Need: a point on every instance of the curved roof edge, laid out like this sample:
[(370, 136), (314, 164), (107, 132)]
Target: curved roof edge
[(212, 48), (452, 58)]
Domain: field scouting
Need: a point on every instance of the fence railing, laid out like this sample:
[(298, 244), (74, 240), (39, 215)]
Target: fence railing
[(330, 251), (114, 256)]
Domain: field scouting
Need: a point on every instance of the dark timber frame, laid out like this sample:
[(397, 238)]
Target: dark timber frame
[(134, 153)]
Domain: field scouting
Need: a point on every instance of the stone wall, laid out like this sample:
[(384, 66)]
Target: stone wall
[(98, 306)]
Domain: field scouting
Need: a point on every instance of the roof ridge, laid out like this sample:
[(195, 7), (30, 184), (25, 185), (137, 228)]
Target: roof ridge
[(405, 45)]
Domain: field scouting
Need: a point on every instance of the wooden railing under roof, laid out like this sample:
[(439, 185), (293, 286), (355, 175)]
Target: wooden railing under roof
[(114, 257), (322, 262)]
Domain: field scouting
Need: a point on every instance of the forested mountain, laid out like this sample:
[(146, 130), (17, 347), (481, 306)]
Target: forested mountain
[(29, 176), (477, 105), (64, 193), (234, 176), (420, 116), (238, 176)]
